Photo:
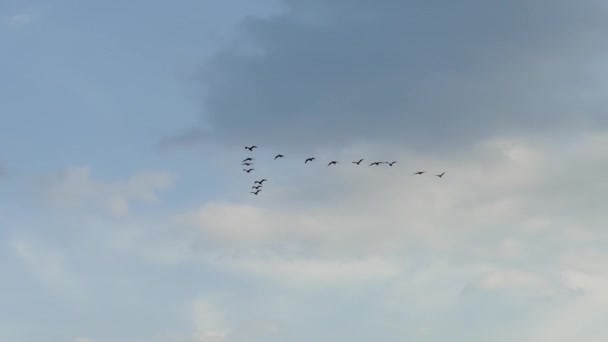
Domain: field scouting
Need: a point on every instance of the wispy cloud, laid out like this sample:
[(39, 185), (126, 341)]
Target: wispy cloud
[(189, 138), (84, 339), (49, 266), (76, 188), (19, 21)]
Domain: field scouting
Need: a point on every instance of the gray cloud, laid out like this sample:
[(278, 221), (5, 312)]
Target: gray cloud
[(438, 74)]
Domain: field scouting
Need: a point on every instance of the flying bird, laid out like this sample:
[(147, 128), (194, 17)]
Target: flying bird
[(250, 148), (391, 164), (279, 156), (256, 187), (358, 162), (256, 192), (247, 164), (375, 163), (419, 172), (309, 159), (260, 181), (333, 162), (440, 175), (247, 159), (248, 170)]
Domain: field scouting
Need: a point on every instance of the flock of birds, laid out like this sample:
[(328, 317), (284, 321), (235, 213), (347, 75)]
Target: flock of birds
[(257, 186)]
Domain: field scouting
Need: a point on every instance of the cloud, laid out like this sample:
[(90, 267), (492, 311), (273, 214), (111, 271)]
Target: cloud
[(309, 274), (83, 339), (358, 211), (494, 227), (432, 76), (19, 21), (517, 280), (49, 266), (209, 320), (76, 188), (190, 137), (499, 239)]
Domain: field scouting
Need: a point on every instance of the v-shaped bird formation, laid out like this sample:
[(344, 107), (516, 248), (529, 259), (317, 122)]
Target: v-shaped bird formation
[(257, 187)]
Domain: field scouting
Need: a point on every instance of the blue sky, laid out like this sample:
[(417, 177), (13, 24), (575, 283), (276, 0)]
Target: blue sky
[(125, 215)]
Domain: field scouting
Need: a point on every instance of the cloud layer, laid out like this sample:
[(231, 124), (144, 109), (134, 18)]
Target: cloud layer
[(432, 75)]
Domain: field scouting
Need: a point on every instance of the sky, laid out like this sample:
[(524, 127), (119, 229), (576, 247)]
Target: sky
[(125, 215)]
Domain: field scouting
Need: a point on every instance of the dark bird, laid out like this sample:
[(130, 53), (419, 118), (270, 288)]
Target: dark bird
[(247, 159), (358, 162), (250, 148), (256, 192), (375, 163), (278, 156), (419, 172), (260, 181), (333, 162), (309, 159), (248, 170), (391, 164), (247, 164), (440, 175), (256, 187)]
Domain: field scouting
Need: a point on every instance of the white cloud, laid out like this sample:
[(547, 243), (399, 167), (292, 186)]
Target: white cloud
[(512, 279), (355, 212), (75, 188), (495, 225)]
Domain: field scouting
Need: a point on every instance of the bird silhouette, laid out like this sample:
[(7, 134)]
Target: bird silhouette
[(248, 170), (279, 156), (309, 159), (440, 175), (260, 181), (250, 148), (256, 187), (333, 162), (256, 192), (247, 159), (247, 164), (375, 163), (358, 162), (391, 164), (420, 172)]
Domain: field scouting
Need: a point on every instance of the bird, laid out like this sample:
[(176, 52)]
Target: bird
[(248, 170), (256, 192), (391, 164), (247, 159), (256, 187), (250, 148), (333, 162), (247, 164), (278, 156), (358, 162), (419, 172), (260, 181), (440, 175), (309, 159), (375, 163)]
